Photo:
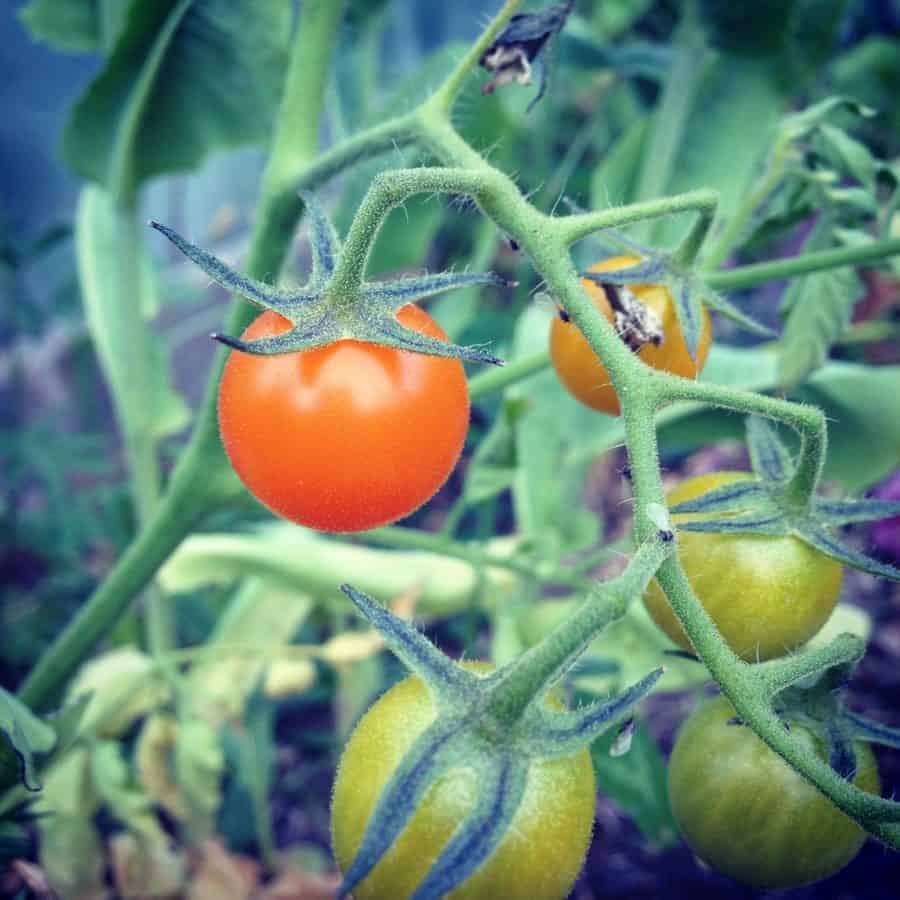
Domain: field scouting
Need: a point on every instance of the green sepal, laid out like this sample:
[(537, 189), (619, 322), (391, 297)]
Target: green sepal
[(866, 729), (846, 512), (768, 455), (733, 497), (562, 734), (323, 240), (501, 787), (839, 741), (688, 310), (257, 292), (431, 754), (320, 318), (752, 523), (445, 678), (648, 271), (818, 537), (716, 301)]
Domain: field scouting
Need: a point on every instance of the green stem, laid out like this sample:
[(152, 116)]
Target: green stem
[(441, 102), (783, 269), (497, 379), (532, 672), (182, 507), (778, 674), (574, 228)]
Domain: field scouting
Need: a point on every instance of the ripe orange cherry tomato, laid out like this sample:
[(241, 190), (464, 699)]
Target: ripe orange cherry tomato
[(344, 437), (538, 859), (766, 594), (582, 373), (746, 812)]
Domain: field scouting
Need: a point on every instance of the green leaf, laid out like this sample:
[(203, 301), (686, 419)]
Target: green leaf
[(613, 179), (26, 734), (259, 622), (854, 157), (798, 125), (111, 258), (637, 782), (820, 307), (719, 147), (186, 77), (81, 26)]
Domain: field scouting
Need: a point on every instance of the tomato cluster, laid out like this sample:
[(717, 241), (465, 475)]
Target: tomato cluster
[(347, 436)]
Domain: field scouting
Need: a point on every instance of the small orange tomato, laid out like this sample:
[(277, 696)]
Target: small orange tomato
[(347, 436), (582, 373)]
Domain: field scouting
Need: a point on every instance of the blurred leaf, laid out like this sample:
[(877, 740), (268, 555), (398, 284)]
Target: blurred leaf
[(186, 77), (298, 561), (81, 26), (854, 157), (126, 801), (132, 358), (821, 305), (637, 781), (199, 766), (260, 620), (71, 855), (221, 875), (123, 686), (726, 136), (548, 487), (613, 179), (146, 870), (26, 734)]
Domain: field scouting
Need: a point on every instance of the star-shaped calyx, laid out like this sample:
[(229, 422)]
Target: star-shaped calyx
[(321, 314), (764, 505)]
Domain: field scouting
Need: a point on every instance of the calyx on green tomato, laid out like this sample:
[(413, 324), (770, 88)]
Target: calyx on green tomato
[(746, 812), (766, 595), (541, 853), (344, 437)]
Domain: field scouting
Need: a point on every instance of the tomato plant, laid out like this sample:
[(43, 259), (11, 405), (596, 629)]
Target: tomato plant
[(581, 371), (347, 436), (542, 852), (765, 594), (744, 811)]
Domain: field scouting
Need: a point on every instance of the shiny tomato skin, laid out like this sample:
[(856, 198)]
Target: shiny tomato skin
[(766, 595), (579, 368), (541, 855), (348, 436), (744, 811)]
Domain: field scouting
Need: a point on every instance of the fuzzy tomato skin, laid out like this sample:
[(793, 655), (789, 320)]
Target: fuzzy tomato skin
[(579, 368), (541, 855), (746, 812), (766, 595), (348, 436)]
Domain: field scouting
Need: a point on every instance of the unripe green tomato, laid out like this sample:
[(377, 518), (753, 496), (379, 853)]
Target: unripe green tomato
[(766, 595), (742, 809), (538, 859)]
